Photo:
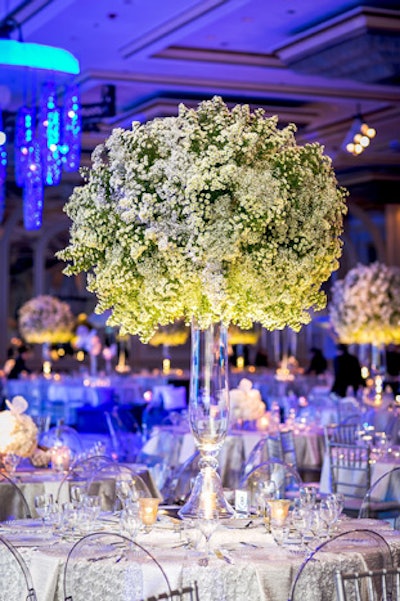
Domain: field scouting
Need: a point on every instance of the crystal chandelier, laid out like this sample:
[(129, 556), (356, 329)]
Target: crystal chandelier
[(46, 128)]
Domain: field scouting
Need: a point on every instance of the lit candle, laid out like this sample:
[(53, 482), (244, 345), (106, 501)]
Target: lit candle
[(148, 508), (279, 509), (60, 458), (263, 423)]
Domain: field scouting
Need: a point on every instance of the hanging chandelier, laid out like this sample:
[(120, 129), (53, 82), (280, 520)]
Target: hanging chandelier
[(46, 127)]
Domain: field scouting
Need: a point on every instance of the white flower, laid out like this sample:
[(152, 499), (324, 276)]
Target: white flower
[(245, 402), (45, 319), (18, 433), (365, 306), (215, 214)]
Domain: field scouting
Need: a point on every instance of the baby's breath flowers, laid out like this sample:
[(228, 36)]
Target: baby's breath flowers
[(46, 319), (215, 214), (365, 306)]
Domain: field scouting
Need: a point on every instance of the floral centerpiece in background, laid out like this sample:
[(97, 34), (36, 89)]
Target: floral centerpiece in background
[(213, 216), (245, 403), (18, 432), (365, 305), (45, 319)]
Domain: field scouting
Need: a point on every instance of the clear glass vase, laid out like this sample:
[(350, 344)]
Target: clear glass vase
[(208, 419)]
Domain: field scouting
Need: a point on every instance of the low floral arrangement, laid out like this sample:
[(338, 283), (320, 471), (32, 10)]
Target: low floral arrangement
[(245, 402), (45, 319), (365, 305), (172, 335), (18, 432), (214, 214)]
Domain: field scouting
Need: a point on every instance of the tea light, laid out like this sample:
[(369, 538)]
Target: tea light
[(60, 458), (263, 423), (279, 509), (148, 508)]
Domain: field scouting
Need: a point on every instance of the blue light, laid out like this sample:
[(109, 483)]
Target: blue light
[(37, 56)]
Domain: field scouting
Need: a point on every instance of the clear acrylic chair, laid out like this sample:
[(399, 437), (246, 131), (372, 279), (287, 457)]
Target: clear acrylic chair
[(382, 500), (360, 586), (126, 444), (179, 484), (16, 579), (286, 479), (112, 566), (115, 484), (269, 447), (14, 505), (358, 549), (79, 474), (350, 467)]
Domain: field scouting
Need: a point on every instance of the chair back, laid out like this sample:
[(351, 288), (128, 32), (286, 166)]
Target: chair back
[(115, 483), (14, 505), (179, 484), (366, 548), (286, 479), (350, 472), (16, 578), (382, 500), (345, 433), (80, 473), (288, 448), (269, 447), (371, 585)]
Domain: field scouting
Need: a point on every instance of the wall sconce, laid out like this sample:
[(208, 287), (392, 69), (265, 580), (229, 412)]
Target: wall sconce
[(359, 136)]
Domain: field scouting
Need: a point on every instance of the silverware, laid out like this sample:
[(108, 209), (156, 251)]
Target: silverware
[(222, 556)]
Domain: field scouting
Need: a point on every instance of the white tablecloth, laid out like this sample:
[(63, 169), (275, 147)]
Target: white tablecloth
[(258, 569)]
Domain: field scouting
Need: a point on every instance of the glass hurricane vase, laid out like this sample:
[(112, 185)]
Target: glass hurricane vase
[(208, 419)]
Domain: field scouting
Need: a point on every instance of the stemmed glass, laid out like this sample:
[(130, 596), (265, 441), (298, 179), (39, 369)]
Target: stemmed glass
[(43, 504), (207, 522), (299, 523)]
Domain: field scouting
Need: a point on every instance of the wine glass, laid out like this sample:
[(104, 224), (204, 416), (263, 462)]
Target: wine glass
[(207, 522), (299, 523), (42, 505)]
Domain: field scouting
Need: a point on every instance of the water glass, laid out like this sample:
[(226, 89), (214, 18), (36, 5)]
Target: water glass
[(43, 504)]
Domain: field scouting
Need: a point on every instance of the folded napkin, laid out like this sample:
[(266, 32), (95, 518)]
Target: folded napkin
[(44, 571)]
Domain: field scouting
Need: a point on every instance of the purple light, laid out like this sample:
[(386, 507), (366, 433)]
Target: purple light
[(49, 132), (33, 190)]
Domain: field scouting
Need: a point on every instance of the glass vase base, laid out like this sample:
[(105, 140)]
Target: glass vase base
[(206, 497)]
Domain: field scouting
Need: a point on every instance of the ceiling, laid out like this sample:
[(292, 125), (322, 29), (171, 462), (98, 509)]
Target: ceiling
[(314, 63)]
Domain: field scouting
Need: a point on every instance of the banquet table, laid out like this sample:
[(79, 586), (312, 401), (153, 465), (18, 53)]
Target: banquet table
[(33, 482), (248, 563), (309, 445)]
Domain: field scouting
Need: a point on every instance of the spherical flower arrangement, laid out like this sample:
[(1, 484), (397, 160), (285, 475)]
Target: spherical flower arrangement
[(45, 319), (245, 402), (365, 305), (18, 432), (215, 214)]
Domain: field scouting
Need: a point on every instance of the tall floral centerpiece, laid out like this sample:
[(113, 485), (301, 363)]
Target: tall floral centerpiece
[(215, 216), (45, 320), (365, 309)]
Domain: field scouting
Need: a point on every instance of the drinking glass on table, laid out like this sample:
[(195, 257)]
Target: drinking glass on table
[(43, 504)]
